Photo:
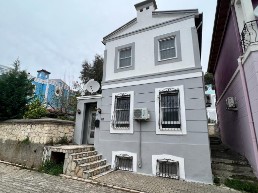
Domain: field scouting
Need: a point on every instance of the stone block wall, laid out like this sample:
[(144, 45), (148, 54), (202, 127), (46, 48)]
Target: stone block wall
[(23, 141), (37, 130)]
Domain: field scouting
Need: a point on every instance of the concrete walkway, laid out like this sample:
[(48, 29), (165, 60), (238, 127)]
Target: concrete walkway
[(17, 180), (153, 184)]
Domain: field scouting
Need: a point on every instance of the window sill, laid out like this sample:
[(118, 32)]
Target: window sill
[(167, 59), (162, 132)]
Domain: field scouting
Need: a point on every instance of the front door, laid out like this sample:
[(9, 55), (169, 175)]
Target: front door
[(91, 127)]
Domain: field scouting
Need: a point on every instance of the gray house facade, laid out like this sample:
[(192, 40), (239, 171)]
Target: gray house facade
[(151, 115)]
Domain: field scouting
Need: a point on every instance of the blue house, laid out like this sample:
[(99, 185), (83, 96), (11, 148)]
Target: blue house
[(51, 92)]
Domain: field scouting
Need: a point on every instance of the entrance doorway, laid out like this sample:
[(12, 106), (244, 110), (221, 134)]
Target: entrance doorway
[(89, 123)]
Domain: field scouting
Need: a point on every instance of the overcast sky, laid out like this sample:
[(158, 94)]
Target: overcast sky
[(57, 35)]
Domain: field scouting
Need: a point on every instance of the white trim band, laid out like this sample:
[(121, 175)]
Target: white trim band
[(153, 80)]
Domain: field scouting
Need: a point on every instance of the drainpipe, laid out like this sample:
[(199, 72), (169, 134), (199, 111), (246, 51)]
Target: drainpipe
[(249, 111)]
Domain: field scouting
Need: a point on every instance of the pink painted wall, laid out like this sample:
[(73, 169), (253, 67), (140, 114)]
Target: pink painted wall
[(227, 61), (234, 126)]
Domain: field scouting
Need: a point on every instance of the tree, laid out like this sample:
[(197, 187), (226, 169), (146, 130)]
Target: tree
[(208, 78), (92, 70), (16, 90)]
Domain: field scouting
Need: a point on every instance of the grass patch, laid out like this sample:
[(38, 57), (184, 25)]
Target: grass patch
[(52, 168), (242, 186)]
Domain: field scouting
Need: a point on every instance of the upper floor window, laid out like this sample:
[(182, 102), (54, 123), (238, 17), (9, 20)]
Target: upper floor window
[(124, 57), (122, 112), (167, 48)]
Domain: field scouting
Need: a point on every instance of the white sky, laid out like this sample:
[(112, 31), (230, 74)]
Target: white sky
[(57, 35)]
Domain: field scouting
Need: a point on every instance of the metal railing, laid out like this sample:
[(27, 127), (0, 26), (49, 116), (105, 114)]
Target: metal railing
[(124, 162), (249, 34), (167, 168)]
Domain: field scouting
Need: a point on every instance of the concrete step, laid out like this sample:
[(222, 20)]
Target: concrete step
[(83, 154), (231, 174), (233, 168), (89, 159), (96, 171), (230, 161), (93, 165), (70, 149)]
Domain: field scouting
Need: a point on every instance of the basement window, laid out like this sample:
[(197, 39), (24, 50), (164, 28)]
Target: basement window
[(124, 162), (167, 168)]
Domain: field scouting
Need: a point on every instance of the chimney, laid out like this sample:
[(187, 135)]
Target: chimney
[(144, 9)]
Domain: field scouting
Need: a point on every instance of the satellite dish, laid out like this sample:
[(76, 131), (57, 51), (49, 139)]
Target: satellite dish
[(92, 86), (256, 11)]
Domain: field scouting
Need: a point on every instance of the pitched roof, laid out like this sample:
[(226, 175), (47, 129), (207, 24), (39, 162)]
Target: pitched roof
[(42, 70), (146, 2)]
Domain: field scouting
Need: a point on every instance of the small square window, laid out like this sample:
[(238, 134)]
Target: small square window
[(167, 49), (125, 57)]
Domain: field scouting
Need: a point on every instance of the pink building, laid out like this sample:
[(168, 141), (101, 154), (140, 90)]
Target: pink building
[(234, 63)]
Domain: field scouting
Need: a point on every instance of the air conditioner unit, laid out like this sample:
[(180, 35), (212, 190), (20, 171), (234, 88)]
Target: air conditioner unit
[(141, 114), (231, 103)]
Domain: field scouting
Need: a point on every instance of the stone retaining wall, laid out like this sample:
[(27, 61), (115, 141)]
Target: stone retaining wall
[(22, 141), (37, 130)]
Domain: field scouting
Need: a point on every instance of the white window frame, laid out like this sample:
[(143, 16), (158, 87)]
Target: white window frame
[(182, 111), (175, 158), (130, 129), (134, 155), (131, 61), (175, 47)]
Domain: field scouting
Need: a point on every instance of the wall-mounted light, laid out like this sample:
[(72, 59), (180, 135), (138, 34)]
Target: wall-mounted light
[(99, 110), (79, 111)]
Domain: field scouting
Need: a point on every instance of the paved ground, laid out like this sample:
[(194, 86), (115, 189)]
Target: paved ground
[(153, 184), (16, 180)]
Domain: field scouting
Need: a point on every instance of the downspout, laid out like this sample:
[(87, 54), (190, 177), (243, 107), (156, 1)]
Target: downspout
[(249, 111)]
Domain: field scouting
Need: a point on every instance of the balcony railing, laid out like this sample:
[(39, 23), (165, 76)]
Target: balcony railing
[(249, 34)]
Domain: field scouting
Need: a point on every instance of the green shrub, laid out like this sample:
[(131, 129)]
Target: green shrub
[(52, 168), (242, 186), (26, 141), (35, 110), (63, 140)]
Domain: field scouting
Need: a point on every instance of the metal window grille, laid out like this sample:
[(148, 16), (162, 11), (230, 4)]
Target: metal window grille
[(124, 162), (121, 116), (125, 57), (167, 48), (167, 168), (170, 110)]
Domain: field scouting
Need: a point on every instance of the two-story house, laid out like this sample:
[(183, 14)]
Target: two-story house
[(151, 113), (233, 61)]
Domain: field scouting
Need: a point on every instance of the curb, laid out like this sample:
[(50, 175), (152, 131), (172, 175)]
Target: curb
[(101, 184)]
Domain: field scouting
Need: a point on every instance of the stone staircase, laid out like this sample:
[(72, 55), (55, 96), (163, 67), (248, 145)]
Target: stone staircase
[(83, 162), (227, 164)]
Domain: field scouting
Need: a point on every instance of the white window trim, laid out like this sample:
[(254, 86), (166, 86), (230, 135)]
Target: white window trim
[(126, 48), (175, 47), (130, 130), (134, 155), (182, 111), (165, 156)]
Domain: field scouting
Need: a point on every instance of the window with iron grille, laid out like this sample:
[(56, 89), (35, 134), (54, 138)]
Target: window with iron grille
[(167, 168), (169, 110), (124, 162), (121, 115), (167, 49), (125, 57)]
